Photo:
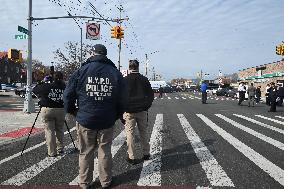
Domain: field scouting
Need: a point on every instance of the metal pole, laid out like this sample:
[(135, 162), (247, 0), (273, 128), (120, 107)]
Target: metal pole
[(81, 59), (119, 42), (29, 106), (146, 66)]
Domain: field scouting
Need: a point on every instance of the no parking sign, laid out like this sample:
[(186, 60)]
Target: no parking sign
[(92, 31)]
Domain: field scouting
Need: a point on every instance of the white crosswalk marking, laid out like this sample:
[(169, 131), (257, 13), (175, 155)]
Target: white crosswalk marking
[(176, 97), (270, 168), (116, 145), (155, 97), (150, 174), (270, 119), (34, 170), (267, 139), (280, 117), (169, 97), (260, 123), (28, 149), (183, 98), (215, 173)]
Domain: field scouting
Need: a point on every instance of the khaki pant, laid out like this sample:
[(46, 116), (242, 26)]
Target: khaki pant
[(130, 121), (251, 101), (53, 119), (88, 140)]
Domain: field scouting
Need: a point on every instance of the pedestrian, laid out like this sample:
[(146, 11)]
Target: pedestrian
[(281, 94), (52, 112), (267, 90), (251, 95), (161, 91), (258, 94), (273, 94), (99, 90), (139, 100), (242, 92), (203, 89)]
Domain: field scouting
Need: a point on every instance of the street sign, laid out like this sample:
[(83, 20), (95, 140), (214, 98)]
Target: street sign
[(21, 36), (92, 31), (23, 30)]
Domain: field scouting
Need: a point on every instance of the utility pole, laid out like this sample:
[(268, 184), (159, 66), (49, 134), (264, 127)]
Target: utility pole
[(119, 45), (29, 105), (146, 66)]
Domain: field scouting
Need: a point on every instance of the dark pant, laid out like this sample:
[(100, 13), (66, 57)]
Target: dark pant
[(160, 95), (257, 100), (204, 97), (241, 97), (267, 101), (273, 106)]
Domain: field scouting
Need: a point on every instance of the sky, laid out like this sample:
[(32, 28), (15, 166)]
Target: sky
[(181, 37)]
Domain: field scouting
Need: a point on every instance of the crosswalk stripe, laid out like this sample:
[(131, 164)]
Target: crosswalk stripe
[(169, 97), (150, 174), (155, 97), (34, 170), (116, 145), (215, 173), (270, 168), (260, 123), (176, 97), (270, 119), (28, 149), (280, 117), (183, 98), (265, 138)]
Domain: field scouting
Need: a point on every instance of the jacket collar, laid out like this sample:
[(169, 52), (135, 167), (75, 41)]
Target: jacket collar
[(99, 59)]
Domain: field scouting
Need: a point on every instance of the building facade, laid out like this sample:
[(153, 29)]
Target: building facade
[(10, 71), (263, 74)]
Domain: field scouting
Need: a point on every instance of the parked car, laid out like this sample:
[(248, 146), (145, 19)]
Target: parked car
[(223, 91), (8, 87), (232, 93), (21, 91)]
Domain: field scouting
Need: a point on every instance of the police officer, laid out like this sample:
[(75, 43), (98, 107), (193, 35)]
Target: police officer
[(99, 90), (139, 100), (203, 89), (52, 111)]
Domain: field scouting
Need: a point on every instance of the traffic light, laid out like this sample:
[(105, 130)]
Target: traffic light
[(114, 32), (278, 49), (14, 54), (120, 33), (51, 70)]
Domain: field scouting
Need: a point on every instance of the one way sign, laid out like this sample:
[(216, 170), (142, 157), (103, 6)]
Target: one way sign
[(92, 31)]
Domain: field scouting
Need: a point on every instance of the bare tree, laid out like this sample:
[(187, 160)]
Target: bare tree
[(67, 60)]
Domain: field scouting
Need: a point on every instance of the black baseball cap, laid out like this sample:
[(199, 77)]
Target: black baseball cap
[(100, 49)]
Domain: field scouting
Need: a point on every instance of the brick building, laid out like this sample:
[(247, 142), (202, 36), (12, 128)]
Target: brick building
[(10, 71), (263, 74)]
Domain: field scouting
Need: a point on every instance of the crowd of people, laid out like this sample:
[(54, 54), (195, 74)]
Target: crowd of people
[(97, 95)]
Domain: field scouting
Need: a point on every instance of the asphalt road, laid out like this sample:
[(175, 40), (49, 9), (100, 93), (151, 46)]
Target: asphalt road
[(214, 145)]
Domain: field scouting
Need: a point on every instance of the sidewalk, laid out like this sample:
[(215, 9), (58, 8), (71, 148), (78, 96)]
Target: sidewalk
[(17, 124)]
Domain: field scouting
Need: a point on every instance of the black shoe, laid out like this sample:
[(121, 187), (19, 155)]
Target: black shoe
[(146, 157), (109, 186), (60, 153), (132, 161), (52, 155)]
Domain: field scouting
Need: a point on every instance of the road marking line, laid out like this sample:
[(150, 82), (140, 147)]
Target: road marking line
[(34, 170), (270, 119), (260, 123), (151, 171), (265, 138), (183, 98), (116, 145), (155, 98), (169, 97), (28, 149), (217, 98), (215, 173), (280, 117), (177, 97), (267, 166)]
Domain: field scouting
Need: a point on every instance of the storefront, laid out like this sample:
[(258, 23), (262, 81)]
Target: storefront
[(263, 74)]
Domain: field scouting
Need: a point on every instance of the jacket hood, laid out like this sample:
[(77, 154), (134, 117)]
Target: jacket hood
[(99, 58)]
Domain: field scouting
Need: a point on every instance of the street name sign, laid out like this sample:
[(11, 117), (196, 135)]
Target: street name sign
[(21, 36), (92, 31), (23, 30)]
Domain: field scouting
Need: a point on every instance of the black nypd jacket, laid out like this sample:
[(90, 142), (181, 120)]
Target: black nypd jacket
[(140, 94), (50, 94), (99, 90)]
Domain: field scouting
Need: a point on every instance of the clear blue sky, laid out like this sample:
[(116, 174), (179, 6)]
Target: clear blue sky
[(190, 35)]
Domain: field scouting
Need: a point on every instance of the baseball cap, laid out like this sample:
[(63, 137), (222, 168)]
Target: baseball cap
[(100, 49)]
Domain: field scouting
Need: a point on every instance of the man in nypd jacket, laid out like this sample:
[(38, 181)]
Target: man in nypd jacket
[(99, 90)]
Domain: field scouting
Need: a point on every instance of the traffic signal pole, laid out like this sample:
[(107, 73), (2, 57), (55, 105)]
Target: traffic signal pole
[(119, 46), (29, 106)]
